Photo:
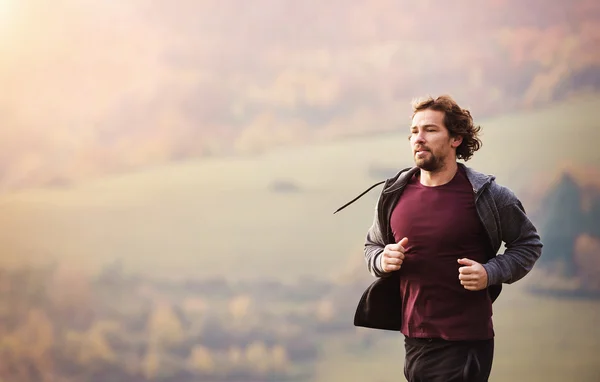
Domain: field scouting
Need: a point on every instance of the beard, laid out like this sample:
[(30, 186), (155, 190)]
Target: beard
[(431, 162)]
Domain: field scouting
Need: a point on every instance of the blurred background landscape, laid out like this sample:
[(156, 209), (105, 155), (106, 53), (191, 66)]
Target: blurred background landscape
[(169, 172)]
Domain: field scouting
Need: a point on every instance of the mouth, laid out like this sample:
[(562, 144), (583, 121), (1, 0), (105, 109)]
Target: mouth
[(420, 152)]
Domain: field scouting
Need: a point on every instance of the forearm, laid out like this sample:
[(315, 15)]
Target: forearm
[(373, 255), (523, 247), (374, 245), (513, 264)]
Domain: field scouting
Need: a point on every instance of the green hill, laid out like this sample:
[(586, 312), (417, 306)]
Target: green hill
[(232, 217)]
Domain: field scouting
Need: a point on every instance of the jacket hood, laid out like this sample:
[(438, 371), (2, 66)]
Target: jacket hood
[(478, 181)]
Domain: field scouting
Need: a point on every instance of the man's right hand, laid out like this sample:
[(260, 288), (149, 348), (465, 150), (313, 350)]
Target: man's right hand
[(393, 256)]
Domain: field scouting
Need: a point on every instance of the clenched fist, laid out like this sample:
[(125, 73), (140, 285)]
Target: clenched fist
[(473, 275), (393, 256)]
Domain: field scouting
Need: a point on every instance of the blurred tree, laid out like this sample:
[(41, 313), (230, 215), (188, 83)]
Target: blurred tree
[(562, 223), (195, 310), (593, 216), (26, 354), (201, 360), (151, 362), (587, 259), (235, 356), (258, 357), (239, 307), (164, 327), (279, 358), (158, 364), (94, 347)]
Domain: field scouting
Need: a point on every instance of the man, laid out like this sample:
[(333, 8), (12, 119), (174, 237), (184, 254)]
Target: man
[(432, 246)]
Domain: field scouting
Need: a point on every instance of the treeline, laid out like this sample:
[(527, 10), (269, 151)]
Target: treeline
[(569, 222), (60, 326), (307, 82)]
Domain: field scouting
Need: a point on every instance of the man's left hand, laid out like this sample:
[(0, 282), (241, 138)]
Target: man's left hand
[(473, 275)]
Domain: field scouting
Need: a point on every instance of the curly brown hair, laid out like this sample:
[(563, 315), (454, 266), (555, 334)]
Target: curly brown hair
[(457, 120)]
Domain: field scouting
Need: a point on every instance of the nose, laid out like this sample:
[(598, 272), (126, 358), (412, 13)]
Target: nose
[(418, 138)]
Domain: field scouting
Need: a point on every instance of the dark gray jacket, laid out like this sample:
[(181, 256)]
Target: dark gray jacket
[(503, 217)]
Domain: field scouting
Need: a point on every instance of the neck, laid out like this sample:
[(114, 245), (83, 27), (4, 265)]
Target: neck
[(440, 176)]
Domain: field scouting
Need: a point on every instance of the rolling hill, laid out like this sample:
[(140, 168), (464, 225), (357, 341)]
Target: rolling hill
[(223, 217)]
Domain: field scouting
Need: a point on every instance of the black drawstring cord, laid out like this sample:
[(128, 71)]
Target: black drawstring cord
[(355, 199)]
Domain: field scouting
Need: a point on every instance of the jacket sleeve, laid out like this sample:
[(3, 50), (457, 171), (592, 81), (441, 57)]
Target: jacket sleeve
[(374, 245), (522, 243)]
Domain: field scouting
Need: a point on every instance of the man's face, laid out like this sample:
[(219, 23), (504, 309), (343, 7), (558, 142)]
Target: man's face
[(431, 142)]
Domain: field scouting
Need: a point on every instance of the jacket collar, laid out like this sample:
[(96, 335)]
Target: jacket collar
[(477, 179)]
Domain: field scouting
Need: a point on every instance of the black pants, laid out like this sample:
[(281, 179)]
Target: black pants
[(433, 360)]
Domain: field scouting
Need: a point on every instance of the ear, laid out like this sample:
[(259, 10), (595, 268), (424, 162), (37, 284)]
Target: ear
[(456, 141)]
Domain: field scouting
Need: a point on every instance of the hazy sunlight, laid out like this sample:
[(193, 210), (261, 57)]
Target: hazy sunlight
[(169, 172), (5, 10)]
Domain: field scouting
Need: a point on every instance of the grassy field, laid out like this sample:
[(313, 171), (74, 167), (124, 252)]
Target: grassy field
[(219, 217), (538, 339)]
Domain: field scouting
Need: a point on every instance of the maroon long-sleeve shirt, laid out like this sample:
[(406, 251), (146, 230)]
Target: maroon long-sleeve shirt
[(442, 226)]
